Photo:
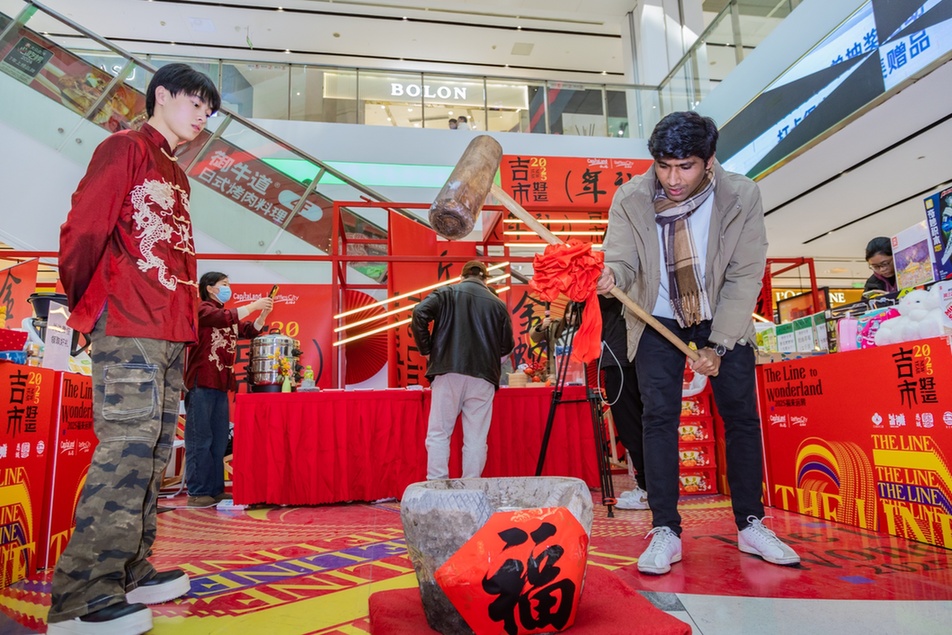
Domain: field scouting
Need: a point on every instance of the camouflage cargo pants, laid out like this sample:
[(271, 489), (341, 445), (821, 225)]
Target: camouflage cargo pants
[(137, 384)]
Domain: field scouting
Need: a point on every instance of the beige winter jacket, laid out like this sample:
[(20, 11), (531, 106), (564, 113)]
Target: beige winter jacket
[(736, 253)]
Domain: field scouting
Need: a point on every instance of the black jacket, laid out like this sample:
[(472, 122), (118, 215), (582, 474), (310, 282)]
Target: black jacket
[(471, 331)]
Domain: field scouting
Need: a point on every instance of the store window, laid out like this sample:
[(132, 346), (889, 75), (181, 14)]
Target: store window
[(323, 95), (575, 109), (257, 90)]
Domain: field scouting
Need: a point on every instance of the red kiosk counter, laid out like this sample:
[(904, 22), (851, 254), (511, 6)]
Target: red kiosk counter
[(312, 448), (863, 438)]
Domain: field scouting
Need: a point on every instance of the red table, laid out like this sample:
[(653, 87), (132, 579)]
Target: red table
[(311, 448)]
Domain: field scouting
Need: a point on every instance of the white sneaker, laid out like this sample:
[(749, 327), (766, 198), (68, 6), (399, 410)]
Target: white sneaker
[(664, 550), (633, 499), (117, 619), (760, 541), (160, 588)]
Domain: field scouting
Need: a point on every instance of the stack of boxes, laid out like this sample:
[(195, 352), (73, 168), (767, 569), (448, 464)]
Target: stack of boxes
[(696, 445)]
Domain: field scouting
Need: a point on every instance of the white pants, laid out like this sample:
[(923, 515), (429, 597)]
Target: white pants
[(454, 393)]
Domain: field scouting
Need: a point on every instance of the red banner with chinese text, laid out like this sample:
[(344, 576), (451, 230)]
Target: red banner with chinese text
[(565, 182), (27, 396), (71, 444), (871, 449), (17, 283)]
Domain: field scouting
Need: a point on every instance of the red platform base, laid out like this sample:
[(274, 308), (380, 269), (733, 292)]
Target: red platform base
[(609, 607)]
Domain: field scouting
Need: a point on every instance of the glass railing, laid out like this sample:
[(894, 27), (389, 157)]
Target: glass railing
[(731, 34), (269, 90)]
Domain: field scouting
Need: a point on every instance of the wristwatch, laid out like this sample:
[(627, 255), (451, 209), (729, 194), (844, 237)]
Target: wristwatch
[(719, 349)]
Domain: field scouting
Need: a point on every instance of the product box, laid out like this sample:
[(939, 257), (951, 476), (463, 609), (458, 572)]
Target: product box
[(695, 429), (803, 335), (694, 406), (786, 342), (698, 481), (696, 455), (822, 342), (912, 256), (944, 289), (766, 336), (939, 223)]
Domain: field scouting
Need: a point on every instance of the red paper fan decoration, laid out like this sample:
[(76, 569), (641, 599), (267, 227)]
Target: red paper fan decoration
[(366, 356)]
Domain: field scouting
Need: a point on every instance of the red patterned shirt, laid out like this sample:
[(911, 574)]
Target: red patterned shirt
[(127, 242), (211, 361)]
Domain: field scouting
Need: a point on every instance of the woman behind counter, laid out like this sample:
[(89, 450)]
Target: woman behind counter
[(879, 257), (209, 376)]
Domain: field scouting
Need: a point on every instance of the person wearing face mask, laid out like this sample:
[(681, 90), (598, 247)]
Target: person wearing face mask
[(209, 377)]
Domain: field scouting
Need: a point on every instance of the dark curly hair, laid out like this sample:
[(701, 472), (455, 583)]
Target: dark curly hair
[(683, 134)]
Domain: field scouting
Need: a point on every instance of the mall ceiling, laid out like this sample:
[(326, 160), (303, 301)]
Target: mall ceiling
[(867, 179)]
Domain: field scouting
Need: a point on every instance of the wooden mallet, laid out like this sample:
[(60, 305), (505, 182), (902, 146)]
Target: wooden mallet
[(454, 212)]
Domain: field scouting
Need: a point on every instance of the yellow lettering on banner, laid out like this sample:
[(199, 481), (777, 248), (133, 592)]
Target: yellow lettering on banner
[(915, 444), (945, 527), (785, 492), (58, 543), (909, 522), (886, 473), (813, 507), (884, 442), (830, 503), (13, 476), (861, 513), (14, 562)]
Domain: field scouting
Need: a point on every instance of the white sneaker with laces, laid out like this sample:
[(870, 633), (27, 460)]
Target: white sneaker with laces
[(633, 499), (664, 550), (760, 541)]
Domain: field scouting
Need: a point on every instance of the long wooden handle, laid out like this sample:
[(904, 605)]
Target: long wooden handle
[(519, 212)]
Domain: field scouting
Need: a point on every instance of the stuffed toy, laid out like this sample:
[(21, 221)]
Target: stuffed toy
[(920, 316)]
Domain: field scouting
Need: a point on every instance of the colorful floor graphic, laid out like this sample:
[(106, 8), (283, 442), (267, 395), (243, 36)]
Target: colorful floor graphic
[(311, 570)]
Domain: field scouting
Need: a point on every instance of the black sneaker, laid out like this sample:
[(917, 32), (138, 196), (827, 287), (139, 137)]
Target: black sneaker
[(161, 587), (116, 619)]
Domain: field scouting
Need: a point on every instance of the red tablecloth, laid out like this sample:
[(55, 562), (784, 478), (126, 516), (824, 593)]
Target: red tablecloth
[(334, 446)]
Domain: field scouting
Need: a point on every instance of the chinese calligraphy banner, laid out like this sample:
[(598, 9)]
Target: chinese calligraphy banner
[(16, 285), (26, 396), (870, 450), (563, 182), (71, 444)]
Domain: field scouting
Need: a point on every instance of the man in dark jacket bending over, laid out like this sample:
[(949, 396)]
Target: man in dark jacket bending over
[(471, 332)]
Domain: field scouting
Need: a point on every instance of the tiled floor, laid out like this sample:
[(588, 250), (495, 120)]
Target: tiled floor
[(311, 570)]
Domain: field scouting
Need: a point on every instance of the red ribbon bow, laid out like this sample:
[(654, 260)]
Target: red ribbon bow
[(572, 268)]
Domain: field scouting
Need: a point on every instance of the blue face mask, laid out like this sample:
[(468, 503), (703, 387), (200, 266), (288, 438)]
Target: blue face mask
[(224, 294)]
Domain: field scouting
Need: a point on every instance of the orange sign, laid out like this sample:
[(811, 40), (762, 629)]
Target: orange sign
[(565, 182)]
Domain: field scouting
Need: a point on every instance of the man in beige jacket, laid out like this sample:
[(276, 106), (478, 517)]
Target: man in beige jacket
[(687, 242)]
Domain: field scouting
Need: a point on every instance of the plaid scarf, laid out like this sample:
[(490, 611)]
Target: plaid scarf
[(688, 296)]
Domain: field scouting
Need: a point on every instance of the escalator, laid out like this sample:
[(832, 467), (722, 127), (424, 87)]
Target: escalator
[(241, 199)]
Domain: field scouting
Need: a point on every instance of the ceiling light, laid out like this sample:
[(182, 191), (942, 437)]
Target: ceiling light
[(287, 51)]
